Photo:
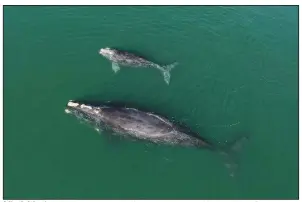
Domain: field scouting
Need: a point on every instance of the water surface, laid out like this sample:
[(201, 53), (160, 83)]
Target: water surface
[(237, 73)]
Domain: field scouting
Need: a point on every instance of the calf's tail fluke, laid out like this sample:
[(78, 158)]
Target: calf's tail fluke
[(166, 71)]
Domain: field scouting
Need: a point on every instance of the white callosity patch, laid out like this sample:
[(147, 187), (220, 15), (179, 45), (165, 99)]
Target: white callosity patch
[(106, 52), (67, 111), (72, 104), (85, 106)]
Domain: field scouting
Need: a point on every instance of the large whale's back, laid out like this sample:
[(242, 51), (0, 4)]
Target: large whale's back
[(137, 122)]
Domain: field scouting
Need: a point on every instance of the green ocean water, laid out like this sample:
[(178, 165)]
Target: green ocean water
[(237, 74)]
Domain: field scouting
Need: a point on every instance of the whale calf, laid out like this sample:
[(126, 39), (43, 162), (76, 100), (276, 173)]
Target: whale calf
[(118, 57)]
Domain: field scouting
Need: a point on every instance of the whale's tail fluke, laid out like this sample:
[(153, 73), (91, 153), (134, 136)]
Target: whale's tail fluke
[(166, 71), (230, 151)]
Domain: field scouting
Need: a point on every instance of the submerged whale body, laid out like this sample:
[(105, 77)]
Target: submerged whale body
[(118, 57), (133, 123), (137, 124)]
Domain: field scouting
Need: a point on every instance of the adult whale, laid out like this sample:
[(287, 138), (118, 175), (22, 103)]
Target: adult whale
[(142, 125), (118, 57)]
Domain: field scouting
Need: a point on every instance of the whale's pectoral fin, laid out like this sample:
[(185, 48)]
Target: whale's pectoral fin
[(115, 67)]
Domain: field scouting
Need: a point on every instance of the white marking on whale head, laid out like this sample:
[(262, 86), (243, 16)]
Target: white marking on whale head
[(85, 106), (106, 51), (72, 104), (67, 111)]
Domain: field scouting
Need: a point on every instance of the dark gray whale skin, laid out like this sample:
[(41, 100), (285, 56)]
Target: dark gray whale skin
[(134, 123), (126, 58), (118, 57), (138, 124)]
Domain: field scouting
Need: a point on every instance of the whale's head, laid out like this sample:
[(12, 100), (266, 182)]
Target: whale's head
[(84, 112), (106, 52)]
